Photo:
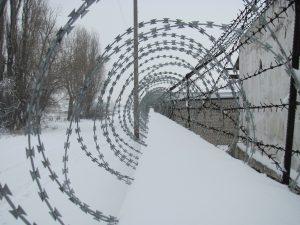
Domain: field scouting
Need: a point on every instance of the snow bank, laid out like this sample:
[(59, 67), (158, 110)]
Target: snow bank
[(183, 179), (92, 184)]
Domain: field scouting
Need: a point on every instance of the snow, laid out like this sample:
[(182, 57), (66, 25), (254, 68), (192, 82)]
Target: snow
[(264, 159), (181, 179), (223, 147), (7, 85), (92, 184)]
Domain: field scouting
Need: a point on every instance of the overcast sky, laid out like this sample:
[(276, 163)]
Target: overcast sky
[(112, 17)]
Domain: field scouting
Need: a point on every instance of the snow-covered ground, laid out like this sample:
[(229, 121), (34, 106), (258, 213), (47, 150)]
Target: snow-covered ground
[(92, 184), (181, 179), (264, 159)]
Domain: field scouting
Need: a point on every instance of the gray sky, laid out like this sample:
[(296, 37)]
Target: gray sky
[(112, 17)]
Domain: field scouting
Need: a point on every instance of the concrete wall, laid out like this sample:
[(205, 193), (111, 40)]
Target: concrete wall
[(273, 85), (209, 117)]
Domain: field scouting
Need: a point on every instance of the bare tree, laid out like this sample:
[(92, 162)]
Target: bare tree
[(26, 29), (2, 37), (95, 86), (78, 56), (29, 27), (12, 32)]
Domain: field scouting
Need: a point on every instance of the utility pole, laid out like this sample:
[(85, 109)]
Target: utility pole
[(292, 99), (136, 111)]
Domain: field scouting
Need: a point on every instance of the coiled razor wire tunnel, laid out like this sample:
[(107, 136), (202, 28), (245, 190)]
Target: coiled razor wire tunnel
[(170, 83)]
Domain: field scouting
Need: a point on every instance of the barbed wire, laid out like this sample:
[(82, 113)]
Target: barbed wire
[(162, 86), (264, 148), (226, 132), (262, 107)]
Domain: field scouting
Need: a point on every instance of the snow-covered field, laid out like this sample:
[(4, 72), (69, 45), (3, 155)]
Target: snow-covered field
[(92, 184), (181, 180)]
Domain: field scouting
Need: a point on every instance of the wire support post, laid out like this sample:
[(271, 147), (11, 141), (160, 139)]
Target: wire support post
[(136, 73), (188, 103), (292, 99)]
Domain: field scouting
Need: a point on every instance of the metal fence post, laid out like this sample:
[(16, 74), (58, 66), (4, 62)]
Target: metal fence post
[(188, 103), (136, 73), (292, 99)]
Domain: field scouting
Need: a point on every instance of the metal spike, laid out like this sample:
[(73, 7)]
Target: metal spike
[(18, 212)]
